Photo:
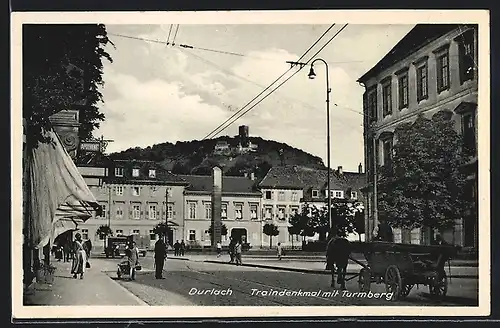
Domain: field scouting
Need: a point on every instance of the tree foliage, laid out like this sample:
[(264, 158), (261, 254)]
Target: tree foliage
[(423, 185), (270, 230), (223, 229), (62, 69), (103, 232)]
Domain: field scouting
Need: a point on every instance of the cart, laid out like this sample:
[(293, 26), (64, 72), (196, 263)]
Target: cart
[(403, 266)]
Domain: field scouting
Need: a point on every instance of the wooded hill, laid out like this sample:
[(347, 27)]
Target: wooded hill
[(199, 156)]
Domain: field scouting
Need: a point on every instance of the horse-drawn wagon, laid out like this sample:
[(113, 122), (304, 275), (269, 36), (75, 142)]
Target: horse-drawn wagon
[(403, 266)]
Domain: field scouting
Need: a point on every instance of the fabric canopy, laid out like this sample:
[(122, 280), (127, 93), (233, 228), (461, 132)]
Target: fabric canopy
[(59, 197)]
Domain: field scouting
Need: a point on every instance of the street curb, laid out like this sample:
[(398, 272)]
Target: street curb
[(135, 297), (312, 271)]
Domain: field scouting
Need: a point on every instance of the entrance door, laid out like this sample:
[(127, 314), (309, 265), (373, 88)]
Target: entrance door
[(170, 236), (239, 234)]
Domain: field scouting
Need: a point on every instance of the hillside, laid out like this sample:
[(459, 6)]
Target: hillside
[(198, 157)]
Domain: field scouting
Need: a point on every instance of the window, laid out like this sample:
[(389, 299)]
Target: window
[(253, 211), (315, 193), (208, 211), (135, 173), (152, 174), (443, 72), (238, 211), (269, 194), (192, 210), (192, 235), (295, 196), (85, 234), (294, 210), (387, 151), (169, 192), (152, 235), (135, 232), (387, 98), (223, 211), (119, 211), (269, 213), (403, 91), (422, 82), (119, 232), (338, 194), (372, 105), (136, 212), (153, 190), (354, 195), (281, 196), (118, 171), (119, 190), (136, 191), (205, 236), (281, 213), (152, 212), (469, 133), (466, 53), (104, 212), (170, 211)]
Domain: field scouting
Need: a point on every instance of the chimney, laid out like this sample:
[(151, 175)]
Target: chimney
[(339, 169), (360, 168), (252, 176)]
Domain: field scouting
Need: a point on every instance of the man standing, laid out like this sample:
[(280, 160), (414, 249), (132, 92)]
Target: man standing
[(237, 252), (176, 248), (160, 255), (279, 250), (182, 248), (219, 249)]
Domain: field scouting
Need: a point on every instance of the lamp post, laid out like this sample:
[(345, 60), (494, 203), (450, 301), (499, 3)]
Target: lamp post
[(312, 75)]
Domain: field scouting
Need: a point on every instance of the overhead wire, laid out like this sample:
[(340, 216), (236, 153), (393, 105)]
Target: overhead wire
[(241, 109), (211, 135)]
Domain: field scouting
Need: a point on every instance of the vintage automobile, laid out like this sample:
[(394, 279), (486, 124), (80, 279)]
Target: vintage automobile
[(116, 246)]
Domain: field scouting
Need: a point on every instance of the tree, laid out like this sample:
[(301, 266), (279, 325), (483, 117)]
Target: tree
[(103, 232), (62, 69), (162, 229), (270, 230), (294, 230), (423, 185), (299, 222), (223, 229)]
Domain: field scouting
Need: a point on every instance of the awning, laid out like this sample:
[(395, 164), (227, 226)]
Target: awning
[(58, 192)]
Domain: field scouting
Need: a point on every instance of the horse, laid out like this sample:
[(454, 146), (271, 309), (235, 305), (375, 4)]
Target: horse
[(337, 258)]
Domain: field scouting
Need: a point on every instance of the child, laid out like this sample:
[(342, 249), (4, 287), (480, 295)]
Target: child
[(279, 251)]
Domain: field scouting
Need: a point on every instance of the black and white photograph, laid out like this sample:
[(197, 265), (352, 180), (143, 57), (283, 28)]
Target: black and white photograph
[(245, 164)]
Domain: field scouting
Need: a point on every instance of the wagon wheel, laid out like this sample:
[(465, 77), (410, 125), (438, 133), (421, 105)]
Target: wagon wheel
[(393, 281), (364, 280), (439, 287), (119, 274), (405, 291)]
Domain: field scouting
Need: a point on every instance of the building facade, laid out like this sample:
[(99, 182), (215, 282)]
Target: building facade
[(432, 70), (240, 210), (285, 189), (135, 197)]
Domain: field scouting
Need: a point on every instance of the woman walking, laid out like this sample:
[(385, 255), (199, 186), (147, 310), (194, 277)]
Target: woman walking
[(79, 258)]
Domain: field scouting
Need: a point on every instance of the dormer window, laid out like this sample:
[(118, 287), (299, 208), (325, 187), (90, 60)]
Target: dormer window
[(135, 173), (152, 174), (118, 171), (315, 193)]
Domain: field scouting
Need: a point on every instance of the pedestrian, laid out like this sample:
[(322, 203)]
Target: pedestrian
[(87, 245), (279, 250), (160, 256), (177, 247), (237, 253), (337, 257), (219, 249), (231, 249), (79, 257), (132, 258), (182, 247)]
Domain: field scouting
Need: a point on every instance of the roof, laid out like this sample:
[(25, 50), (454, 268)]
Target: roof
[(419, 36), (161, 174), (300, 177), (233, 185)]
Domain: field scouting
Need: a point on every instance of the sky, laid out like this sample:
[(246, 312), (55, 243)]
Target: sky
[(155, 93)]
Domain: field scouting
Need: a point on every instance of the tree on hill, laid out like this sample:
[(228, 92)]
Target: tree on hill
[(62, 69), (270, 230), (103, 232), (423, 185)]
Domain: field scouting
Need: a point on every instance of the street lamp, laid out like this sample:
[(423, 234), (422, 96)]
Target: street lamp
[(312, 75)]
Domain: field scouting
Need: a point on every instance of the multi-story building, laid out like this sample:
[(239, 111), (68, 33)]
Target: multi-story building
[(135, 197), (285, 189), (431, 71), (240, 210)]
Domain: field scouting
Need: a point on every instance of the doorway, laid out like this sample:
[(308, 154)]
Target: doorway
[(239, 234)]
